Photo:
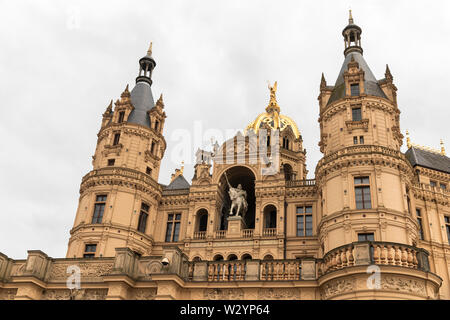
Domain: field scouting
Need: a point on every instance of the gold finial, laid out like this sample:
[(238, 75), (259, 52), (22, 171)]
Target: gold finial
[(442, 148), (408, 140), (149, 51), (178, 172), (273, 108), (350, 18)]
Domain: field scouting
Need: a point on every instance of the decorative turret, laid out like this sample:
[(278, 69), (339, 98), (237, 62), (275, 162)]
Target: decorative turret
[(352, 37), (147, 64)]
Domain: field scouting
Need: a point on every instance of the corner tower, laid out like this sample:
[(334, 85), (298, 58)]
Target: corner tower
[(363, 179), (119, 197)]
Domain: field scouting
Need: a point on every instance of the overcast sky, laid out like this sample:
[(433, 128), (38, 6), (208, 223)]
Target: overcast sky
[(61, 62)]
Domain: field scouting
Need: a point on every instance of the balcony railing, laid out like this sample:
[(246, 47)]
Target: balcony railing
[(269, 232), (379, 253), (226, 271), (301, 183), (281, 270), (199, 235), (220, 234), (247, 233)]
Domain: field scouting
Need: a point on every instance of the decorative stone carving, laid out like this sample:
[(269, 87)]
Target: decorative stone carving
[(223, 294), (59, 271), (144, 294), (7, 294), (279, 294), (81, 294), (337, 287), (403, 285)]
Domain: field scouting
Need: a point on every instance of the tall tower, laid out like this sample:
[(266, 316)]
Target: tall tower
[(363, 179), (119, 197)]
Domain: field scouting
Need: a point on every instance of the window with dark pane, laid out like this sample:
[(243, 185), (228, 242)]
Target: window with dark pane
[(361, 139), (99, 208), (173, 227), (148, 170), (354, 89), (355, 140), (143, 216), (447, 226), (116, 139), (362, 193), (89, 250), (304, 221), (356, 114), (111, 162), (121, 116), (443, 186), (365, 237), (152, 148), (419, 220), (432, 183)]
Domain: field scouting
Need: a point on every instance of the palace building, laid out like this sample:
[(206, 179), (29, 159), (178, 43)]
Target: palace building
[(374, 223)]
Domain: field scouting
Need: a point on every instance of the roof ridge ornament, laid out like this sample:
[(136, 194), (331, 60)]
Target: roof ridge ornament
[(350, 18), (442, 148), (178, 172), (149, 51), (409, 144)]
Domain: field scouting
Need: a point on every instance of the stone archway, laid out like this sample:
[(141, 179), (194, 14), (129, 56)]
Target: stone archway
[(244, 176)]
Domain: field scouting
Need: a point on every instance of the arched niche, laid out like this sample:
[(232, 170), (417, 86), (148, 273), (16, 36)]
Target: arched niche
[(246, 257), (232, 257), (244, 176), (202, 220), (288, 174), (270, 216), (218, 257)]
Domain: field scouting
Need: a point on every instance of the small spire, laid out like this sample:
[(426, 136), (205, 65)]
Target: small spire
[(149, 51), (160, 101), (442, 148), (125, 93), (387, 73), (408, 139), (350, 18), (323, 82), (109, 108)]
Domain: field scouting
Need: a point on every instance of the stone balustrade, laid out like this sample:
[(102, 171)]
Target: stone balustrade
[(247, 233), (220, 234), (269, 232), (301, 183), (371, 252), (226, 270), (199, 235), (281, 270)]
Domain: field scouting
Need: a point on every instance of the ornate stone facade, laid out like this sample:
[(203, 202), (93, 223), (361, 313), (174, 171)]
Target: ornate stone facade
[(370, 211)]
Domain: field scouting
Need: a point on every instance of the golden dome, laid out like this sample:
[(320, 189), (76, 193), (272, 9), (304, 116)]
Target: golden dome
[(272, 117)]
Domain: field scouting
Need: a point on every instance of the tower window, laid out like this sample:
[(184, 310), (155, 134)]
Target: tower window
[(355, 140), (111, 162), (356, 114), (121, 116), (419, 220), (99, 209), (156, 125), (361, 139), (362, 193), (143, 215), (148, 170), (89, 251), (286, 143), (152, 148), (447, 226), (365, 237), (173, 227), (443, 186), (433, 183), (116, 139), (354, 89), (304, 221)]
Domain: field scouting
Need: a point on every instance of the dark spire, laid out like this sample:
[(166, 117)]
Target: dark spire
[(323, 82), (387, 73), (147, 64), (352, 37)]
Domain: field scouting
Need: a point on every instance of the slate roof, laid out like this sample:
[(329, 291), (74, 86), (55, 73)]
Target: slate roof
[(371, 85), (142, 100), (178, 184), (427, 159)]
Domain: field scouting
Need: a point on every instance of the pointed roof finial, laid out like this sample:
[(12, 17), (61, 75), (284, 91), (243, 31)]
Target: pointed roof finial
[(323, 82), (149, 51), (442, 148), (387, 73), (350, 18), (109, 108), (160, 101), (408, 139)]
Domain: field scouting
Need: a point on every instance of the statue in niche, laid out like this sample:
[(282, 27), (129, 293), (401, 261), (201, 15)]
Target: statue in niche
[(238, 198)]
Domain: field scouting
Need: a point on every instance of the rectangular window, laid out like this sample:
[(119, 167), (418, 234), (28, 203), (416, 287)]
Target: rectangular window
[(361, 139), (365, 237), (89, 251), (148, 170), (121, 116), (156, 125), (362, 193), (443, 186), (432, 183), (173, 227), (356, 114), (447, 226), (99, 208), (111, 162), (354, 89), (116, 139), (419, 220), (152, 148), (304, 221), (142, 224), (355, 140)]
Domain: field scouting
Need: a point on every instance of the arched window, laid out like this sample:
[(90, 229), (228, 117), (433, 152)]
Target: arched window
[(197, 259), (268, 257), (202, 220), (270, 217), (232, 257), (246, 257), (218, 257), (287, 172)]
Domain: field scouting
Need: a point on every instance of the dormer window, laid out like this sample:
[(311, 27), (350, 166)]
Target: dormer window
[(354, 89), (121, 116), (356, 114)]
